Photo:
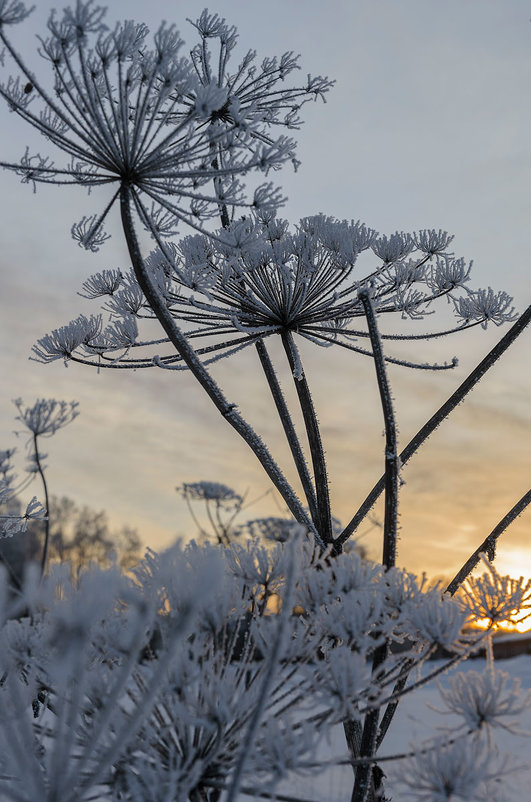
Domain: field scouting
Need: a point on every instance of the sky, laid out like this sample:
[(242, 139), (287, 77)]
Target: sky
[(428, 126)]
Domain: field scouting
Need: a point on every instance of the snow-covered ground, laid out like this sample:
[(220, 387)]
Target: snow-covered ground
[(415, 722)]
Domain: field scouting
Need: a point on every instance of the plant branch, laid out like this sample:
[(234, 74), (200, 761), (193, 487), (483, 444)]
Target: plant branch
[(314, 439), (367, 778), (391, 457), (289, 428), (489, 544), (40, 470)]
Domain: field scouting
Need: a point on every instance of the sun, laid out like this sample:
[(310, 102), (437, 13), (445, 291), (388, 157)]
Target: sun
[(505, 627)]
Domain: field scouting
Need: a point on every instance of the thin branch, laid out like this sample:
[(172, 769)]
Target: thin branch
[(489, 544), (391, 457), (40, 470), (314, 438), (289, 428)]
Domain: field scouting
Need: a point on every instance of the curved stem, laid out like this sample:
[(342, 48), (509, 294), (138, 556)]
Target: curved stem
[(190, 358), (289, 428), (314, 439), (40, 470), (429, 427)]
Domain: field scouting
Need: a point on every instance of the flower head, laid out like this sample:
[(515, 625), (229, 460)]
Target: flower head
[(13, 11), (452, 773), (16, 524), (46, 416), (126, 111), (497, 599), (210, 491), (257, 278), (485, 700)]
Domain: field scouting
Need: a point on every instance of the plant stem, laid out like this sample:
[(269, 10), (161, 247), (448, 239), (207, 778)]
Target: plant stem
[(414, 444), (183, 347), (391, 457), (40, 470), (289, 428), (489, 544), (368, 778), (314, 440)]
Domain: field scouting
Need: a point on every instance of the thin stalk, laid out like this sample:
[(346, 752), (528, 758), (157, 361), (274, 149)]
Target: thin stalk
[(391, 456), (443, 412), (368, 779), (190, 358), (390, 710), (314, 439), (223, 211), (289, 428), (489, 544), (40, 471)]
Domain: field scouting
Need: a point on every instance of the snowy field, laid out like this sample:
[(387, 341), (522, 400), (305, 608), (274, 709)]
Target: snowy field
[(415, 722)]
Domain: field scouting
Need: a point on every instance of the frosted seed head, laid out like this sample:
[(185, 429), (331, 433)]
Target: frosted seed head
[(13, 12)]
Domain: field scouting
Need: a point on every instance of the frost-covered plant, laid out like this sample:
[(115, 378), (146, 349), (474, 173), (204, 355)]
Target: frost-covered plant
[(129, 112), (180, 682), (43, 419), (174, 137), (460, 772), (484, 701), (497, 599), (222, 505), (179, 133), (77, 658)]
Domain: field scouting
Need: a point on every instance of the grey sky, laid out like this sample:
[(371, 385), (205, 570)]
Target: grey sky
[(428, 126)]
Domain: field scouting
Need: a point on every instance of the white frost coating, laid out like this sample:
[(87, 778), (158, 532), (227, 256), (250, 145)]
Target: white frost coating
[(257, 277), (148, 684), (167, 119)]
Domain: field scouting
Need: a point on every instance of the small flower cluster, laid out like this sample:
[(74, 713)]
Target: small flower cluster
[(210, 491), (12, 521)]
